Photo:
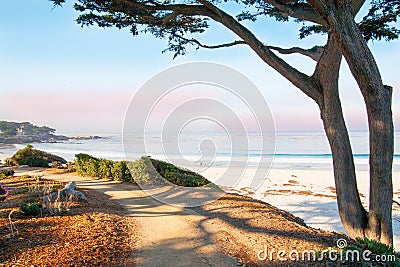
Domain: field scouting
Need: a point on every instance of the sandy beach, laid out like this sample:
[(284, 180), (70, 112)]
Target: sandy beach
[(310, 195)]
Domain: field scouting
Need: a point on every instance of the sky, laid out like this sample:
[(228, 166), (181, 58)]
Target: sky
[(81, 80)]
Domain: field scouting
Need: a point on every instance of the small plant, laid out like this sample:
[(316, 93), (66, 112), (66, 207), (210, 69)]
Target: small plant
[(6, 172), (43, 189), (25, 176), (58, 206), (71, 167), (31, 208), (8, 162), (20, 192), (38, 177), (379, 248), (375, 246)]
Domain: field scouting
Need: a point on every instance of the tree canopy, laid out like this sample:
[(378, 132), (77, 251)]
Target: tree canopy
[(180, 22)]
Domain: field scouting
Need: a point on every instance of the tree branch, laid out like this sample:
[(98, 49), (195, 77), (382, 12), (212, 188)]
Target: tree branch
[(357, 4), (297, 78), (183, 9), (297, 10), (314, 53), (210, 46)]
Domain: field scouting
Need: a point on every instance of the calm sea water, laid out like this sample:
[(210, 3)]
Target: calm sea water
[(293, 150)]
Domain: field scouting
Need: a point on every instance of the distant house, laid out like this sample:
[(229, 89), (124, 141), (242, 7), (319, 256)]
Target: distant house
[(20, 131)]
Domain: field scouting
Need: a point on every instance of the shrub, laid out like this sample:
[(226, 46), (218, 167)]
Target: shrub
[(145, 170), (105, 168), (83, 163), (5, 173), (25, 176), (31, 208), (375, 246), (120, 171), (177, 175), (71, 167), (9, 162), (156, 172), (144, 173), (35, 158), (102, 168)]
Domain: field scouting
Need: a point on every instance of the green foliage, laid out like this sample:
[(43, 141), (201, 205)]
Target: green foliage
[(106, 168), (180, 22), (21, 192), (156, 172), (376, 247), (378, 23), (144, 173), (35, 158), (144, 170), (9, 162), (10, 128), (120, 171), (84, 157), (102, 168), (178, 176), (25, 176), (7, 172), (31, 208)]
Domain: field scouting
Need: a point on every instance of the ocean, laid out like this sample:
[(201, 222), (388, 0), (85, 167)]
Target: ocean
[(293, 150)]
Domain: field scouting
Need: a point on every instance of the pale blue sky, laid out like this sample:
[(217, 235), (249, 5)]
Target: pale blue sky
[(80, 80)]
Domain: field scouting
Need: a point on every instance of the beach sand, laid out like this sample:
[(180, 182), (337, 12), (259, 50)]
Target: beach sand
[(309, 194)]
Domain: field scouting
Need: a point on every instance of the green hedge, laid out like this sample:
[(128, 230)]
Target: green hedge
[(156, 172), (144, 170), (177, 175), (102, 168)]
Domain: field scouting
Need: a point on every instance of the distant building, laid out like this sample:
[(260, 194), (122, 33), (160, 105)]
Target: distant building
[(20, 131)]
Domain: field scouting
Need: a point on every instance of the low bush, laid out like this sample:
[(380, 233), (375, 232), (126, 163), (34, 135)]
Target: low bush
[(156, 172), (102, 168), (31, 208), (145, 170), (5, 173), (375, 246), (9, 162), (177, 175), (35, 158)]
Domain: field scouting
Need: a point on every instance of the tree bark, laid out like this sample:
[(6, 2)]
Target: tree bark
[(377, 98), (351, 211)]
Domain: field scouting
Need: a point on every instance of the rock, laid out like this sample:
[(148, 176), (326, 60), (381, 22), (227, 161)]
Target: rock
[(69, 191)]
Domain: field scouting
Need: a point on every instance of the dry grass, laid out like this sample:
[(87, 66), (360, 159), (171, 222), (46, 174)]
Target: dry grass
[(85, 234)]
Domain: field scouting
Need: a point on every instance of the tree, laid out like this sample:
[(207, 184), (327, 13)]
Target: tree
[(180, 22)]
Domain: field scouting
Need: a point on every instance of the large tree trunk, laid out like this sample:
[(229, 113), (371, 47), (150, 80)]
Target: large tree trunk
[(351, 211), (377, 98)]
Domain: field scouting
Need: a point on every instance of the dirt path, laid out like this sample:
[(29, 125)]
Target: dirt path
[(168, 235)]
